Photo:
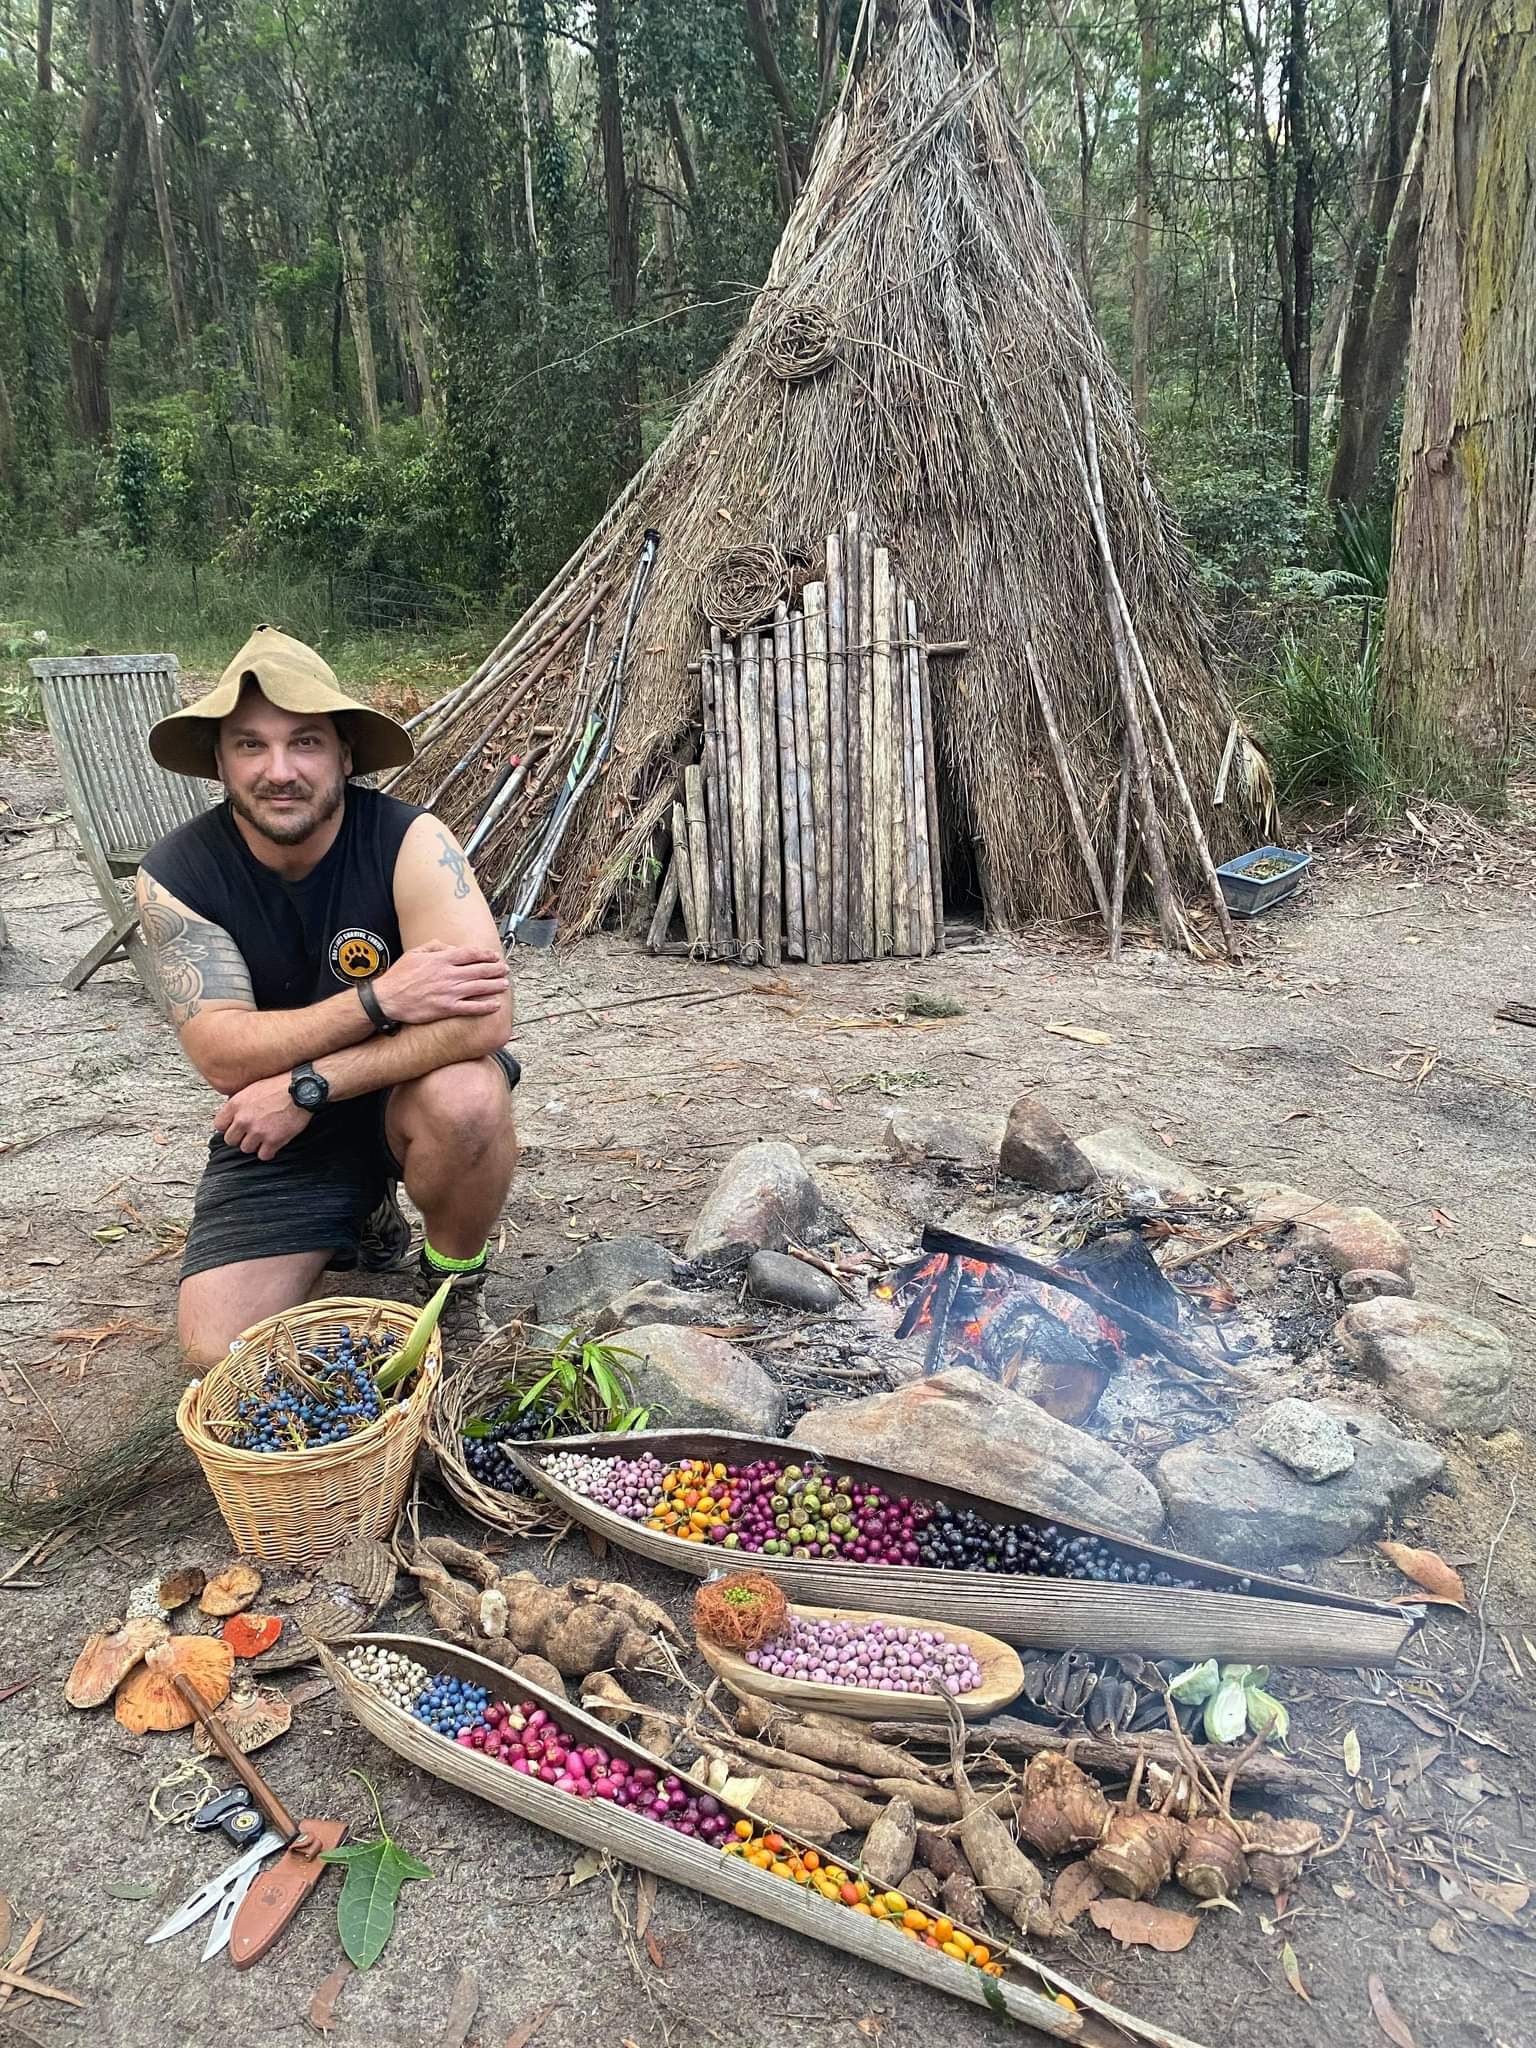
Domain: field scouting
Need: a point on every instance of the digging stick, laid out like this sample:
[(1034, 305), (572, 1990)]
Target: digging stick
[(814, 599), (666, 903), (789, 800), (733, 791), (772, 837), (698, 853), (837, 744), (1170, 751), (682, 859), (931, 781), (922, 855), (751, 717), (1122, 834), (815, 941), (1169, 916), (883, 752), (502, 797), (1068, 783), (867, 625)]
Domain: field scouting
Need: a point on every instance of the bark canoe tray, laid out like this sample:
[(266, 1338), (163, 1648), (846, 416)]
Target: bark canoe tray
[(1277, 1622), (648, 1846), (1002, 1675)]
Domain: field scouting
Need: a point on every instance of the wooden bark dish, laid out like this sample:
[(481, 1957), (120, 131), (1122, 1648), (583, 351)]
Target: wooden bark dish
[(1276, 1622), (1002, 1675), (647, 1845)]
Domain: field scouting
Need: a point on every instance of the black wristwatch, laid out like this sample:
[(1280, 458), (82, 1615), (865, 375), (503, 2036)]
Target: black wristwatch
[(373, 1009), (308, 1089)]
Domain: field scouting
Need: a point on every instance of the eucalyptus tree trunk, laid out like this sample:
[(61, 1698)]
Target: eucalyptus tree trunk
[(1298, 122), (623, 252), (1141, 257), (354, 275), (1460, 642), (159, 177)]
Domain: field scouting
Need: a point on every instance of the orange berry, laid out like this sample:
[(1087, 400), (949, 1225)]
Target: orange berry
[(811, 1860), (915, 1919), (774, 1842), (996, 1970), (880, 1909), (943, 1927), (867, 1911), (952, 1948), (780, 1869), (743, 1831), (848, 1893), (981, 1954)]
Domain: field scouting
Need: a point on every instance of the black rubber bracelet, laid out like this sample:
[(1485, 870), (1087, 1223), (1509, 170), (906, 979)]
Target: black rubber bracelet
[(374, 1010)]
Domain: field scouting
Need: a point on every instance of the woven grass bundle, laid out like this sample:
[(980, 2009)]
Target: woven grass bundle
[(740, 1613), (803, 341), (739, 587)]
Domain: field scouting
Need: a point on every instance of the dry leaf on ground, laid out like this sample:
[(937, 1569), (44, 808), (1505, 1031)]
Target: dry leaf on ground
[(1084, 1034), (462, 2008), (1352, 1753), (322, 2007), (1075, 1889), (523, 2033), (645, 1902), (1135, 1925), (1428, 1569), (1292, 1970), (1387, 2016)]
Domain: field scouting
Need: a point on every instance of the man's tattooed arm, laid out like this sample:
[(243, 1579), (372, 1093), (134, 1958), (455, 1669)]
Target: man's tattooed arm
[(197, 962), (456, 865)]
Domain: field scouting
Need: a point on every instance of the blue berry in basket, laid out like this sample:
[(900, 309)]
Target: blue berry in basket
[(449, 1704)]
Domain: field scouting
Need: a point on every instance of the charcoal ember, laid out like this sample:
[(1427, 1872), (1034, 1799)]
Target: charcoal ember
[(1119, 1264)]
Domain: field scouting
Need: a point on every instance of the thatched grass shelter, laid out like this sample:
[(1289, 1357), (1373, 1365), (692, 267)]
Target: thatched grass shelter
[(948, 419)]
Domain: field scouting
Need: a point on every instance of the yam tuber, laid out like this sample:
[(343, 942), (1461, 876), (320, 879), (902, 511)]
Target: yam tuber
[(644, 1613), (829, 1740), (106, 1661), (790, 1803), (890, 1846), (1212, 1863), (1139, 1848), (933, 1802), (1277, 1850), (940, 1854), (1061, 1810), (963, 1901), (854, 1810), (921, 1888), (538, 1671), (1005, 1874)]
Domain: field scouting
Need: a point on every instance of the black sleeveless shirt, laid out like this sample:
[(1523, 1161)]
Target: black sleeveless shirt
[(306, 940)]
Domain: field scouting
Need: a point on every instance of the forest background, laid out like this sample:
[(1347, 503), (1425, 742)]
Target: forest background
[(354, 314)]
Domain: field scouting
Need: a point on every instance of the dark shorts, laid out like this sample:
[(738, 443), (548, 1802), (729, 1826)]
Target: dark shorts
[(315, 1196)]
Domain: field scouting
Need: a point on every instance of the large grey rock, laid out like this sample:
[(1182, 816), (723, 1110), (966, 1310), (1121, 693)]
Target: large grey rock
[(1038, 1152), (914, 1135), (1228, 1501), (1304, 1437), (1350, 1238), (764, 1197), (657, 1301), (1440, 1366), (1123, 1153), (691, 1381), (574, 1292), (791, 1283), (963, 1429)]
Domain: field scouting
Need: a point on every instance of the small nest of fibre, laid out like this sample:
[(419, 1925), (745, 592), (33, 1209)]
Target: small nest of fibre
[(739, 587), (740, 1613), (799, 344)]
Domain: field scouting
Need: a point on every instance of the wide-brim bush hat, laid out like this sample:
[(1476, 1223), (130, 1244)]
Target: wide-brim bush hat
[(294, 678)]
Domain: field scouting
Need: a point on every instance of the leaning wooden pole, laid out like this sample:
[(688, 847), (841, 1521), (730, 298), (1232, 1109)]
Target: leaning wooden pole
[(733, 792), (931, 781), (1059, 755), (1122, 835), (884, 754), (815, 937), (922, 861), (860, 935), (751, 795), (788, 823), (682, 860), (837, 742), (699, 861), (719, 806), (814, 599)]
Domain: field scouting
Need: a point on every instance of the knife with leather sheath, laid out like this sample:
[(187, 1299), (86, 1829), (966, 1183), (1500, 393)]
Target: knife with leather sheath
[(277, 1893)]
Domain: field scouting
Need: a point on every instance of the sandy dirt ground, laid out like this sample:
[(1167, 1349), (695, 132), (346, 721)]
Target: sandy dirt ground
[(1353, 1052)]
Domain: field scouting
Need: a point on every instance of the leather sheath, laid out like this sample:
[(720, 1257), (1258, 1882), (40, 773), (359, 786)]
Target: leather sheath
[(279, 1892)]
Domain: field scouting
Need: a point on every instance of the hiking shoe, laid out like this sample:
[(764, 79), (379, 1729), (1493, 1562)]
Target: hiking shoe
[(464, 1323), (384, 1243)]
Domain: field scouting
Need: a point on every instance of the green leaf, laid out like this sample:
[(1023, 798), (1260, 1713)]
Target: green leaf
[(365, 1912), (119, 1889), (414, 1349)]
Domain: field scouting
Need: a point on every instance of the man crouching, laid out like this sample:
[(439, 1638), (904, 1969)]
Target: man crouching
[(332, 968)]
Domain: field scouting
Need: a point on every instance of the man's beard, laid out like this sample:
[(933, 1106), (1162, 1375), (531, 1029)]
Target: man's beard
[(293, 828)]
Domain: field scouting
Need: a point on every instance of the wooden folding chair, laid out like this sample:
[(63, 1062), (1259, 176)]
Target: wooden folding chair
[(99, 710)]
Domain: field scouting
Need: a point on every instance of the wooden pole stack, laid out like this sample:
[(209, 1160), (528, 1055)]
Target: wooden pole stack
[(809, 828)]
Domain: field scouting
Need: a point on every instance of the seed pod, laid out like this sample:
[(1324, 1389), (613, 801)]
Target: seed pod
[(1211, 1863), (1226, 1712), (1061, 1810), (1192, 1688), (1266, 1714), (1137, 1853), (1278, 1850)]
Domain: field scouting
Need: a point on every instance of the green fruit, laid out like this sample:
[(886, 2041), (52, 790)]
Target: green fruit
[(799, 1551), (730, 1542), (840, 1525), (779, 1504), (782, 1522), (794, 1472), (841, 1503)]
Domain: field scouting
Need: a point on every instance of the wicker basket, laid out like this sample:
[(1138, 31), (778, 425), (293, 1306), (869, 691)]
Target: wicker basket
[(301, 1507)]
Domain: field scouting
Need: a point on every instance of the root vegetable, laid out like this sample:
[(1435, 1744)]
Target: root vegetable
[(538, 1671), (932, 1802), (106, 1661), (606, 1700), (1277, 1851), (1061, 1810), (147, 1700), (823, 1737), (921, 1888), (1211, 1862), (890, 1846), (792, 1805), (940, 1854), (1137, 1853), (460, 1561), (963, 1901), (644, 1613), (228, 1591), (1006, 1875), (854, 1810)]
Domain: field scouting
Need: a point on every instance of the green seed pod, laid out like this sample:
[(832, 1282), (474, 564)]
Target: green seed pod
[(1226, 1712), (1196, 1685), (1266, 1715)]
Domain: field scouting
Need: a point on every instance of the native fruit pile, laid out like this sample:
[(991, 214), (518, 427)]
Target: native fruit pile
[(771, 1509), (880, 1654), (484, 1437), (286, 1416)]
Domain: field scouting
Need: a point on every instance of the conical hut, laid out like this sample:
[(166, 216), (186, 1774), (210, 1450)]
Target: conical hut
[(921, 358)]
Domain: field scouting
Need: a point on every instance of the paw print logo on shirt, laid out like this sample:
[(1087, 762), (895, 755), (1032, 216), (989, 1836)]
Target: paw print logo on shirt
[(358, 955)]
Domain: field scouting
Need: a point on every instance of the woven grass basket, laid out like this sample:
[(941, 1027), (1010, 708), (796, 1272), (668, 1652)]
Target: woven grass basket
[(503, 1362), (301, 1507)]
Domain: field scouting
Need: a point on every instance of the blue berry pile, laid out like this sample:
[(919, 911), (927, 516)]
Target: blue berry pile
[(482, 1443), (449, 1704), (284, 1417)]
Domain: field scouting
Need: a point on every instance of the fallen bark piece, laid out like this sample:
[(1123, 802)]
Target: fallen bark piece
[(147, 1700), (1137, 1925), (106, 1661), (228, 1591)]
